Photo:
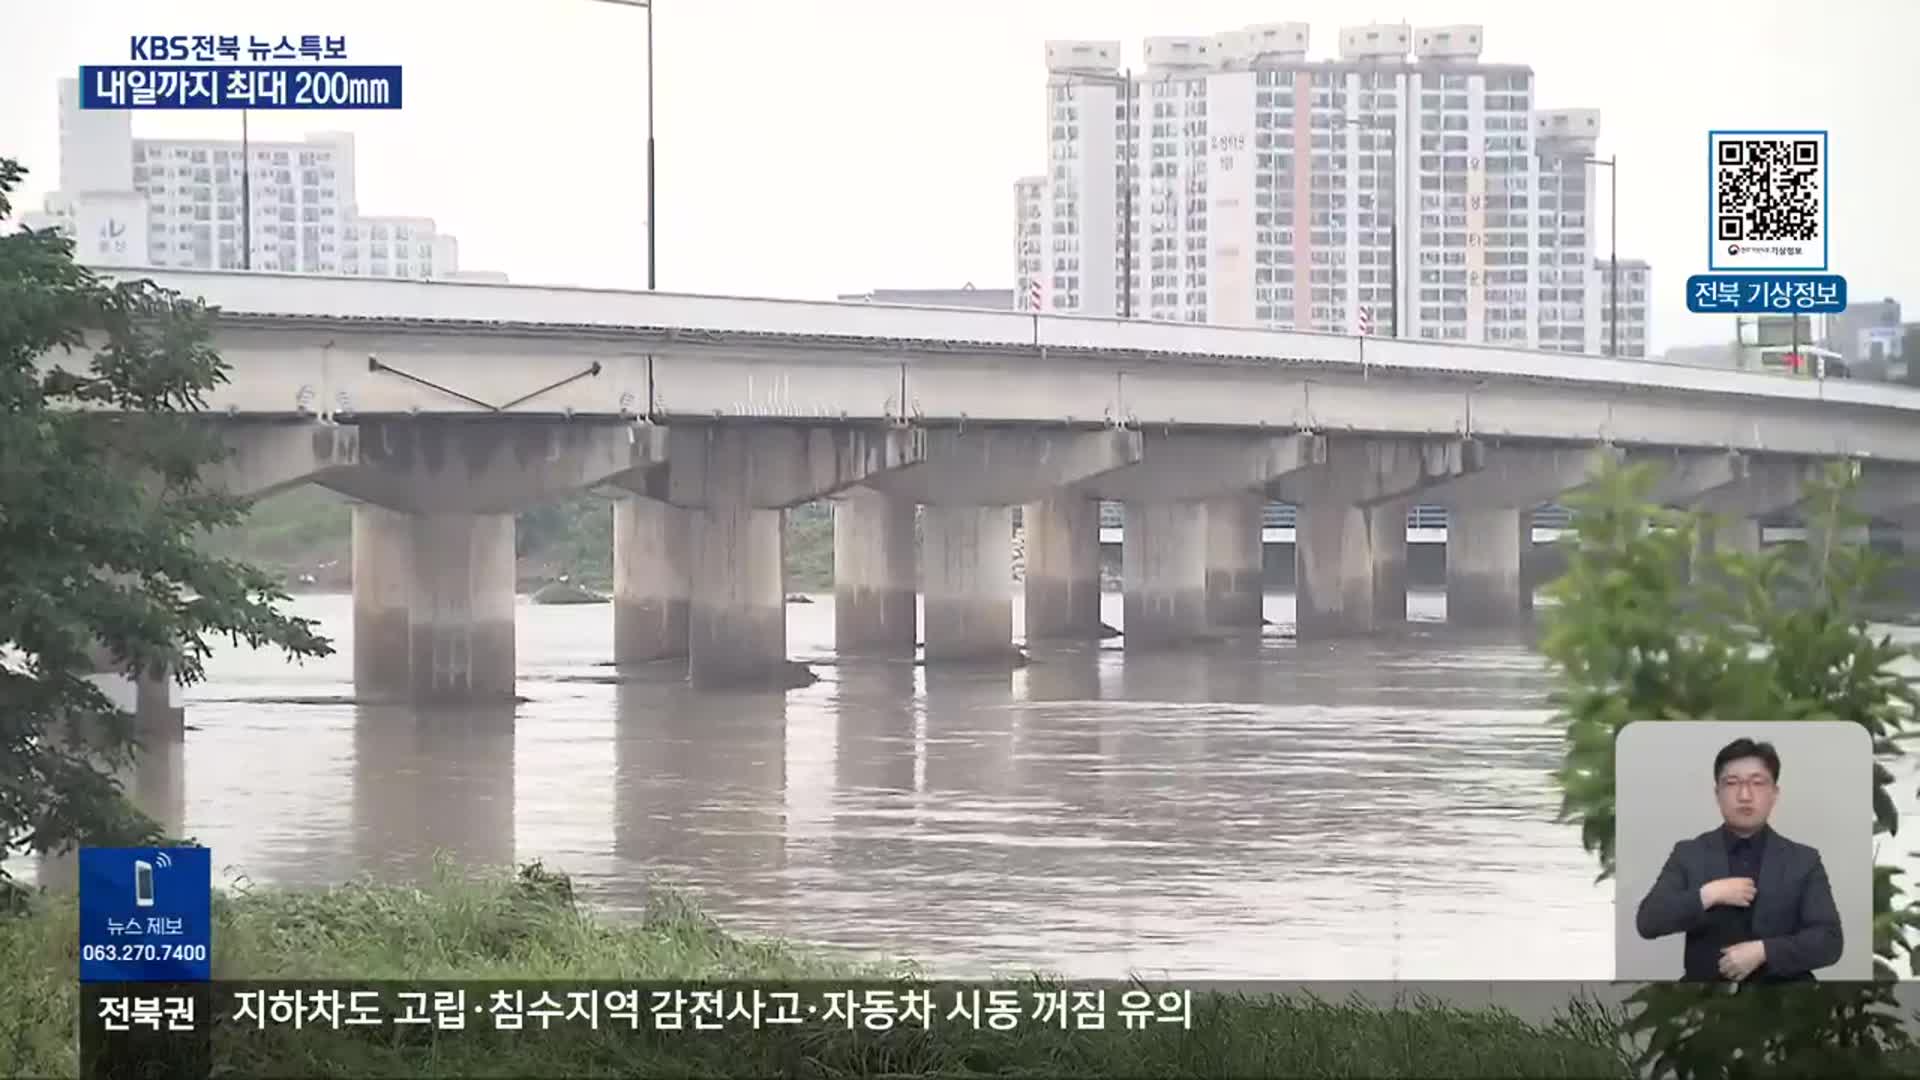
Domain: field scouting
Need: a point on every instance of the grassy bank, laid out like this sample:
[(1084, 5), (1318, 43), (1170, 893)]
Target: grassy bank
[(529, 927)]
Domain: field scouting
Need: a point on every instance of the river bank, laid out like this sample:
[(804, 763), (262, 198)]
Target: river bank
[(530, 926)]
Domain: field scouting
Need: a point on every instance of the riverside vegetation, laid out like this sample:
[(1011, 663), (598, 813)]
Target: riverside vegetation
[(529, 925), (304, 536), (1647, 631)]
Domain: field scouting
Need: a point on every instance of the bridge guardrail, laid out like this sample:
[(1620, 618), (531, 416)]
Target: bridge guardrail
[(1279, 515)]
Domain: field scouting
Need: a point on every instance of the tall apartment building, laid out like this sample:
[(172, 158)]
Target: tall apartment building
[(181, 202), (1266, 188), (1030, 218), (1634, 274)]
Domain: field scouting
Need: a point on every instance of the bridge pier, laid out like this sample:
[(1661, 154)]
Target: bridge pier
[(969, 583), (1236, 560), (1484, 549), (739, 482), (1192, 531), (652, 580), (1490, 525), (874, 596), (433, 597), (1350, 567), (1164, 565), (737, 629), (967, 484), (1063, 568), (1350, 548), (152, 699)]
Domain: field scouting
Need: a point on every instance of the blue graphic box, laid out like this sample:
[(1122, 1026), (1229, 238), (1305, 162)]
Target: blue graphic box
[(146, 914)]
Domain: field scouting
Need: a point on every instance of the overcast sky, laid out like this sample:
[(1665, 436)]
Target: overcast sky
[(813, 147)]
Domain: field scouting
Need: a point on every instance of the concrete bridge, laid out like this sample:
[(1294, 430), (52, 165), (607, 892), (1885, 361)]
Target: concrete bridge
[(445, 408)]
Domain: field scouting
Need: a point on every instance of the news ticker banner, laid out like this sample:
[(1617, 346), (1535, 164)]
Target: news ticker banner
[(214, 1028), (694, 1009), (223, 71), (262, 1028)]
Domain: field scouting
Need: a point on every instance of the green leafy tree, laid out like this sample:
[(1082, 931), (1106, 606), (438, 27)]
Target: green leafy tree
[(101, 514), (1638, 636)]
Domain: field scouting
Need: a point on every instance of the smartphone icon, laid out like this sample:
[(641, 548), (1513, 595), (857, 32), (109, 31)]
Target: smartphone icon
[(142, 883)]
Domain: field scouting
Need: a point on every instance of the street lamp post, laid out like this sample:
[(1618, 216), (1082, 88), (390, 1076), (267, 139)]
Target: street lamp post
[(1611, 164), (1393, 217), (652, 220), (1124, 81), (246, 195)]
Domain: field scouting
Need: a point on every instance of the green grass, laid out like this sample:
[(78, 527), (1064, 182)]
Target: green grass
[(529, 927)]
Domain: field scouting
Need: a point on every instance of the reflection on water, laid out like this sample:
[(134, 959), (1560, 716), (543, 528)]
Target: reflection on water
[(436, 779), (1257, 809)]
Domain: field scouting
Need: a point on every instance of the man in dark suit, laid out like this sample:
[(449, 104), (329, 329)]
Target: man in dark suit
[(1753, 904)]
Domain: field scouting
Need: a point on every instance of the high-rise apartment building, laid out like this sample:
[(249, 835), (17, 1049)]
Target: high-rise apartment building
[(1030, 217), (1267, 188), (1632, 311), (182, 202)]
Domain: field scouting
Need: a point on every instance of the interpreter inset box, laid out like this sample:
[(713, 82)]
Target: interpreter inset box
[(1743, 851)]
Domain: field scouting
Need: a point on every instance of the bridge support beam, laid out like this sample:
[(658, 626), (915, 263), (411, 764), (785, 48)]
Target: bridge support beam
[(737, 623), (268, 457), (969, 583), (1350, 549), (1236, 562), (1063, 568), (652, 580), (1164, 566), (1484, 549), (874, 599), (432, 606)]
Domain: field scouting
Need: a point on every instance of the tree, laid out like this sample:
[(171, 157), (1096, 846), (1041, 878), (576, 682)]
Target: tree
[(101, 512), (1639, 636)]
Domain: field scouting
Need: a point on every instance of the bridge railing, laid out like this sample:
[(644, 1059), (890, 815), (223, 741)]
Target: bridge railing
[(1279, 515)]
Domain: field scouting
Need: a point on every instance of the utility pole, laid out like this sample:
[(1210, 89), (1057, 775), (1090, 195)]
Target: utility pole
[(246, 195), (653, 220), (1613, 252)]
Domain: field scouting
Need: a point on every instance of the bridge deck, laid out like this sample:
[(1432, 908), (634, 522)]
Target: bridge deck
[(349, 347), (684, 316)]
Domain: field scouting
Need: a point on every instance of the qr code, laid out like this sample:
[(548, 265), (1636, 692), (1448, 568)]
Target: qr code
[(1768, 188)]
